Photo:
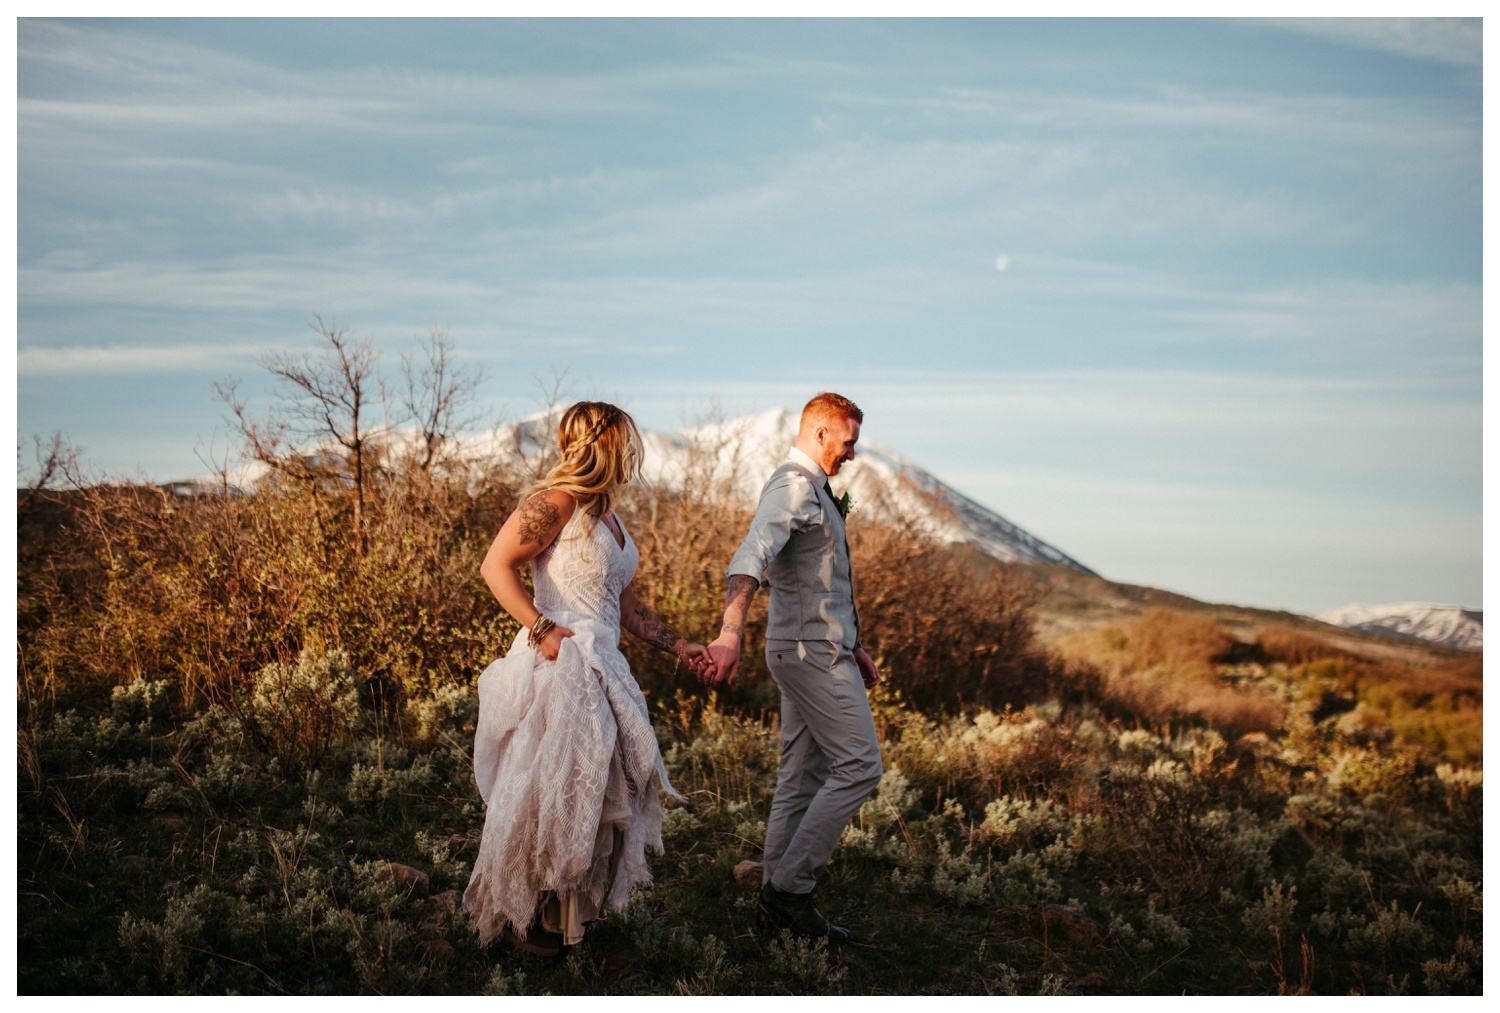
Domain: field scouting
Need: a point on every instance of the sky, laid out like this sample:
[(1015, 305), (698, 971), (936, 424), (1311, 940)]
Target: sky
[(1197, 302)]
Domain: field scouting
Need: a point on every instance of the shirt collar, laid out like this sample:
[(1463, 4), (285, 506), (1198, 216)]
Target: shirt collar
[(796, 456)]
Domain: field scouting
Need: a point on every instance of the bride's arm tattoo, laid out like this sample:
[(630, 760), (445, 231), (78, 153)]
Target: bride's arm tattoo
[(539, 520), (649, 627)]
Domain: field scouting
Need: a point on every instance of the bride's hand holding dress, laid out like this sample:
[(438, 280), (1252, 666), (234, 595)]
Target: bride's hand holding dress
[(527, 533)]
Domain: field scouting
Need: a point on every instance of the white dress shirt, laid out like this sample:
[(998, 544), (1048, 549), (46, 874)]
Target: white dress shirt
[(796, 456)]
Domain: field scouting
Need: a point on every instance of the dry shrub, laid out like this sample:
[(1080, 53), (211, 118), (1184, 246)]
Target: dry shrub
[(1168, 637), (1163, 693), (305, 709), (1161, 636), (945, 635), (1160, 667), (1460, 678), (1294, 647), (207, 589), (1019, 753), (1439, 708), (354, 547), (1396, 776), (731, 757)]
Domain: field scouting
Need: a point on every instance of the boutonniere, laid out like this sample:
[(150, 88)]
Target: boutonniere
[(844, 504)]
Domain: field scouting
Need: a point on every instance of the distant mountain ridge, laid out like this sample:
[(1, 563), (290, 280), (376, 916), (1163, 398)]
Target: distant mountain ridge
[(1451, 625)]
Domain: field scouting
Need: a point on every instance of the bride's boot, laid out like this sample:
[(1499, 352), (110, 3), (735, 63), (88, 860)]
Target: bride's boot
[(540, 941)]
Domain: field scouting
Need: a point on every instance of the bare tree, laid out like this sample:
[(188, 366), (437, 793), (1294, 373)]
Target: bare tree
[(333, 394), (60, 460), (438, 395), (535, 440)]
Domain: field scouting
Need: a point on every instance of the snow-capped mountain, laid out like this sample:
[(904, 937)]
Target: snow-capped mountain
[(1451, 625), (881, 484)]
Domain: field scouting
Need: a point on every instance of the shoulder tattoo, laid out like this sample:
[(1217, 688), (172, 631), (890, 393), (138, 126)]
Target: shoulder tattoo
[(539, 519)]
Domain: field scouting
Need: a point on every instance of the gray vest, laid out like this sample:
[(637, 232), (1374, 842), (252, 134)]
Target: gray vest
[(812, 583)]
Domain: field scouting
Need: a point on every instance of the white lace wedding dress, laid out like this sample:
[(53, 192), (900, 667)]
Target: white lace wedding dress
[(564, 754)]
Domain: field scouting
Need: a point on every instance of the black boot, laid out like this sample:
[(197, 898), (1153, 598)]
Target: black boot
[(796, 911)]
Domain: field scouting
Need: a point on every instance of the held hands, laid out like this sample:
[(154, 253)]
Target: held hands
[(695, 656), (724, 660)]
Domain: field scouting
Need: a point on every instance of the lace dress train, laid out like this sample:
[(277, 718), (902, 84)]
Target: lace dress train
[(564, 755)]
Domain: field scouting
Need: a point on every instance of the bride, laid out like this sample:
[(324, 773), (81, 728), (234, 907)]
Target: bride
[(564, 753)]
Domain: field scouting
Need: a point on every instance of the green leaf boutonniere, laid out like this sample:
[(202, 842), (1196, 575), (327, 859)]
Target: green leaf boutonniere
[(845, 505)]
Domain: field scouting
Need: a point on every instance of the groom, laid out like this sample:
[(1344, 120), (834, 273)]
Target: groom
[(830, 757)]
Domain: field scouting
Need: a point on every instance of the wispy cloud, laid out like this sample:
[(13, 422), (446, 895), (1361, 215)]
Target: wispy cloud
[(134, 76), (199, 111), (251, 284), (1265, 113), (1442, 40), (105, 359), (1358, 317), (1241, 427)]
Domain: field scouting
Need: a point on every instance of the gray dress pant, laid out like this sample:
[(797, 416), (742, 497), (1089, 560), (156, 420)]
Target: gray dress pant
[(830, 758)]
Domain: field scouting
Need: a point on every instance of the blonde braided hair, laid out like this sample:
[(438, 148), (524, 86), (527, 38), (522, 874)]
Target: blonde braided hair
[(601, 450), (606, 417)]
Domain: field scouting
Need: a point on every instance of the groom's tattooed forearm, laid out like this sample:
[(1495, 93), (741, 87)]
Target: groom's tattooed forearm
[(741, 589), (539, 519), (650, 628), (737, 602)]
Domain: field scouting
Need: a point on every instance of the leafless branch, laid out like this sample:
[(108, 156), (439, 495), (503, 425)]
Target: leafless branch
[(335, 393), (60, 460), (438, 394)]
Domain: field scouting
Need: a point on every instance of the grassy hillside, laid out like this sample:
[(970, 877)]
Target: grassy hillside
[(1051, 849), (1071, 602)]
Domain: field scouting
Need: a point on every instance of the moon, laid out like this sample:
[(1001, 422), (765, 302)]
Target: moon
[(1002, 262)]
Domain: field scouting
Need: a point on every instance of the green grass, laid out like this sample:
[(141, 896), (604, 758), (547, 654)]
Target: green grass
[(1043, 851)]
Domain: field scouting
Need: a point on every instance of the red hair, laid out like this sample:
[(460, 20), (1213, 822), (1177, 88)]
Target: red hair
[(830, 407)]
